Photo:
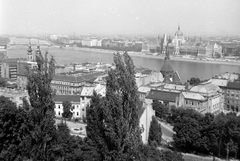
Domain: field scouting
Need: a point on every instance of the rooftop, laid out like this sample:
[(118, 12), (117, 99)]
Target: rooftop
[(193, 96), (77, 79), (70, 98), (219, 82), (87, 91), (233, 85), (167, 96), (206, 88), (144, 89)]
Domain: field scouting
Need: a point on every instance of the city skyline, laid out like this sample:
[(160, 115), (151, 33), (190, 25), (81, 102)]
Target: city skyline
[(119, 17)]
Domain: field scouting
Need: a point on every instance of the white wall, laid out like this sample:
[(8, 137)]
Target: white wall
[(145, 122)]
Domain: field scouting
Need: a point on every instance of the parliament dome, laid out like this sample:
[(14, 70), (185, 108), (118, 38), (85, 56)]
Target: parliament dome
[(178, 32)]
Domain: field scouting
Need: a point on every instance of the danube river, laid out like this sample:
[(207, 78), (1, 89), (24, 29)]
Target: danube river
[(186, 69)]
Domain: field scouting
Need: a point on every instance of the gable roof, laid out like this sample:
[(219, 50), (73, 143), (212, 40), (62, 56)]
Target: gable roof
[(167, 96), (70, 98)]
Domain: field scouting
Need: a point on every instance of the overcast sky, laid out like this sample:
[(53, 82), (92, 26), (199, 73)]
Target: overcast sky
[(119, 16)]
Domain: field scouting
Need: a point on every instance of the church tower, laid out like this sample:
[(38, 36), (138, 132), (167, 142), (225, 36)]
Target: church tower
[(169, 75), (29, 52), (177, 46), (165, 41)]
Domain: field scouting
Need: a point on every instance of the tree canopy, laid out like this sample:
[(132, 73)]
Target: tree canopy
[(155, 132), (67, 107), (112, 121)]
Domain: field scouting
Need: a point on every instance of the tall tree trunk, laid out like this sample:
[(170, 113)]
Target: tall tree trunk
[(227, 148), (220, 143)]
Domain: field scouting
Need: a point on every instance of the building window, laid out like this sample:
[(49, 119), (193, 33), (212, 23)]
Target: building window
[(192, 103), (83, 109), (59, 113), (77, 113), (59, 106)]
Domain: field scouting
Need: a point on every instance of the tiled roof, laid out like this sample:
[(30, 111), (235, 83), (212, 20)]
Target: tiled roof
[(167, 96), (233, 85), (62, 98)]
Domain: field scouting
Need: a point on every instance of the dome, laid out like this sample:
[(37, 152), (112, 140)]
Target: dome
[(206, 87), (179, 33)]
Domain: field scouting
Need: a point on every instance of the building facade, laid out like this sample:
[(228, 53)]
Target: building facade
[(213, 94), (232, 97)]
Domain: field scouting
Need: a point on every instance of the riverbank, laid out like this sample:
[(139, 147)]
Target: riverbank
[(143, 55)]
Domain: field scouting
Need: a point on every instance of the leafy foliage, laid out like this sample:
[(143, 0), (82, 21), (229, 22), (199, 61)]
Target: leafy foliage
[(67, 107), (155, 132), (151, 153), (194, 81), (207, 134), (112, 121), (12, 129), (42, 133), (161, 110)]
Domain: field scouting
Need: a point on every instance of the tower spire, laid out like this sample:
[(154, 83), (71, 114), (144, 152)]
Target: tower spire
[(29, 46), (178, 26), (38, 48)]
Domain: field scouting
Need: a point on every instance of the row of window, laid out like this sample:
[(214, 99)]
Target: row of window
[(233, 95), (232, 108), (67, 83), (233, 91), (216, 105), (192, 103), (59, 113), (76, 106), (233, 102)]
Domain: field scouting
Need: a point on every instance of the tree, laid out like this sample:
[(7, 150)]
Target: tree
[(12, 130), (155, 132), (160, 109), (112, 121), (187, 129), (67, 107), (42, 131), (194, 81)]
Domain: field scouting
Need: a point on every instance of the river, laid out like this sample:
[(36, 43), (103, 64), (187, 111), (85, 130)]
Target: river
[(185, 69)]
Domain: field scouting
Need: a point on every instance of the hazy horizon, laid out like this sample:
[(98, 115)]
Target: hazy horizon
[(119, 17)]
